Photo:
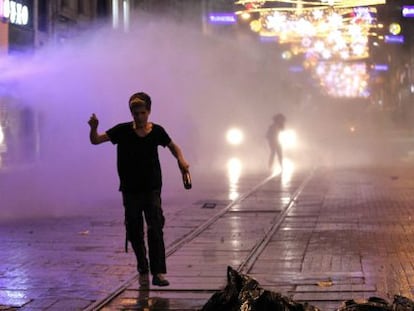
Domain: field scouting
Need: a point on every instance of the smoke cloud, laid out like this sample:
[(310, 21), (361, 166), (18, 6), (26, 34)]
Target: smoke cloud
[(200, 85)]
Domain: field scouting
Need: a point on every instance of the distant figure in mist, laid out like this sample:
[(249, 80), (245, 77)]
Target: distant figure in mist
[(140, 178), (272, 136)]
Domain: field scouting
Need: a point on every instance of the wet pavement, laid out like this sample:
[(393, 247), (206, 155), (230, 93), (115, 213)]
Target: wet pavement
[(348, 235)]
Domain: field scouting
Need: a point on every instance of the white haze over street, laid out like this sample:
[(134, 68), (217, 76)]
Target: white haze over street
[(199, 86)]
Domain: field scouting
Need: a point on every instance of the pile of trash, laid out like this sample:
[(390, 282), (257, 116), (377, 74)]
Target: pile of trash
[(243, 293)]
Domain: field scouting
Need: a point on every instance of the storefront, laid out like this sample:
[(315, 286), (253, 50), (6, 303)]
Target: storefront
[(18, 122), (18, 17), (19, 133)]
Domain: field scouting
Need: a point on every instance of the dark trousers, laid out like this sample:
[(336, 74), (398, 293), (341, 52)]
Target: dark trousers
[(137, 207)]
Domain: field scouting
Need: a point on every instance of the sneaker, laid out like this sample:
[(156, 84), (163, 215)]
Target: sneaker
[(143, 279), (159, 280)]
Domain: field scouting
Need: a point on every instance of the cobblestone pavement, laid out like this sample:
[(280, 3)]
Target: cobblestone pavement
[(349, 235), (68, 262)]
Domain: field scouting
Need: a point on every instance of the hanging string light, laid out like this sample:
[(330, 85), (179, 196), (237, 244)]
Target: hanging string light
[(287, 5), (289, 26), (325, 31)]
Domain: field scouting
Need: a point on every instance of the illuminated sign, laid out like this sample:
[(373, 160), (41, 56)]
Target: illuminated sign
[(222, 18), (270, 39), (408, 10), (296, 69), (394, 39), (380, 67), (17, 13), (395, 28)]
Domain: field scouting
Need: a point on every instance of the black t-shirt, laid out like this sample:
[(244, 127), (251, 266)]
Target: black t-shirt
[(138, 163)]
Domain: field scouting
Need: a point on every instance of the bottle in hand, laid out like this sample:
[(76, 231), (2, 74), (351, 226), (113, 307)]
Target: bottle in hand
[(187, 180)]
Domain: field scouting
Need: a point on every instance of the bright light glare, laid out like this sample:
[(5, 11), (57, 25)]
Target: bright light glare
[(341, 79), (1, 135), (288, 139), (233, 194), (339, 29), (276, 170), (234, 168), (245, 16), (287, 171), (234, 136)]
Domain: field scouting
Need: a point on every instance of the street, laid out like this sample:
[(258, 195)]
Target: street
[(347, 235)]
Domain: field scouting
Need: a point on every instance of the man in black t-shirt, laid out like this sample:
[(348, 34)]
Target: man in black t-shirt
[(140, 178)]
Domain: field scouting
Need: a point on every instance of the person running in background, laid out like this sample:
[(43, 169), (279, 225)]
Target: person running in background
[(272, 136), (140, 178)]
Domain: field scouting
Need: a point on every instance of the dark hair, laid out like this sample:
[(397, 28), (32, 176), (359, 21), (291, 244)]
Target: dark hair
[(279, 118), (139, 97)]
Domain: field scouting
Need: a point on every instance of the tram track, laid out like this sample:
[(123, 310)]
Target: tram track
[(251, 258), (249, 261)]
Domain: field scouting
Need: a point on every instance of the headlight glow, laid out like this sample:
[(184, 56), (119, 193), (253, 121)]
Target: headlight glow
[(234, 136), (288, 139)]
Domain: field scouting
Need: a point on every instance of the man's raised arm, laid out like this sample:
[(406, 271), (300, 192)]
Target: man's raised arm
[(94, 137)]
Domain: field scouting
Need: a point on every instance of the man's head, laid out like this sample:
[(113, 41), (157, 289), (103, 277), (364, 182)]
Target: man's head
[(140, 99), (140, 107), (279, 118)]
